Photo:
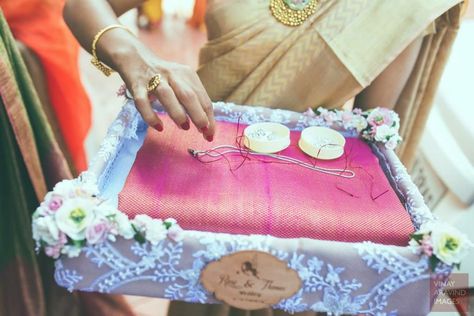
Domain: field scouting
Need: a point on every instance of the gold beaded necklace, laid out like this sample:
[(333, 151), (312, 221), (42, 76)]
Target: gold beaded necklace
[(293, 12)]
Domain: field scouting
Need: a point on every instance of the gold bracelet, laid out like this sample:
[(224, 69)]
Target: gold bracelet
[(95, 60)]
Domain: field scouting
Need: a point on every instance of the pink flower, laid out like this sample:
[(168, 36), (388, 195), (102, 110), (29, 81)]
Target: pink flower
[(55, 203), (347, 117), (175, 233), (329, 117), (53, 251), (380, 116), (427, 245), (309, 112), (98, 230)]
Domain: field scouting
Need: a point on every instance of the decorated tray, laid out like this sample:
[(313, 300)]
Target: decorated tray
[(170, 215)]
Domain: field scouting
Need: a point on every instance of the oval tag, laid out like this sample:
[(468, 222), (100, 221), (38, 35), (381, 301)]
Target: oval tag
[(250, 280)]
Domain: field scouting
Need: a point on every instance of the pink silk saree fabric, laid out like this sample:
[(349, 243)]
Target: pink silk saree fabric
[(277, 199)]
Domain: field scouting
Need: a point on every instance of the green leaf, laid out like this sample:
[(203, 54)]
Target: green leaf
[(167, 225), (138, 235), (434, 262), (140, 238), (416, 237), (79, 243)]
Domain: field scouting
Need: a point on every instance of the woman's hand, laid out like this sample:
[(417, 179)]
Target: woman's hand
[(180, 91)]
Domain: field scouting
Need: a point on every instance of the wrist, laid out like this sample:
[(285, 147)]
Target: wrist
[(124, 55), (117, 48)]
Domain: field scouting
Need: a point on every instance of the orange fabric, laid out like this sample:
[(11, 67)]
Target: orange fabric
[(197, 20), (39, 25)]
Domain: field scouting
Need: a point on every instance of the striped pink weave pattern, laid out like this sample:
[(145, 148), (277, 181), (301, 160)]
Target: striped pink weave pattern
[(277, 199)]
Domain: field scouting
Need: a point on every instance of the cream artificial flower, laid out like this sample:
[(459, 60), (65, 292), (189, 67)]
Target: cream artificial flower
[(125, 228), (393, 142), (88, 189), (74, 216), (359, 122), (383, 132), (175, 233), (153, 230), (449, 244), (65, 188), (71, 251), (141, 221), (45, 228), (105, 209)]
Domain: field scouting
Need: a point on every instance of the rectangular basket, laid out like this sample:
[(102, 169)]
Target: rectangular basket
[(337, 277)]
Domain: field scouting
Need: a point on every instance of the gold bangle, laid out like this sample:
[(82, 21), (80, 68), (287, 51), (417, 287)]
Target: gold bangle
[(95, 60)]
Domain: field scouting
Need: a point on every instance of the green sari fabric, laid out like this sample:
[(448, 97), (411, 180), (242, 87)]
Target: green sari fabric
[(31, 162)]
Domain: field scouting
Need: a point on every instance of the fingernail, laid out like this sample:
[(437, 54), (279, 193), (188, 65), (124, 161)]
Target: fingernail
[(158, 127), (185, 126), (210, 138)]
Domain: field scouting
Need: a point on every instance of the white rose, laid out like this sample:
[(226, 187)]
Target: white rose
[(359, 122), (393, 142), (449, 244), (330, 117), (65, 188), (105, 209), (89, 188), (125, 228), (396, 120), (321, 110), (45, 228), (155, 231), (141, 221), (383, 132), (71, 251), (74, 216), (176, 233), (40, 212), (426, 228)]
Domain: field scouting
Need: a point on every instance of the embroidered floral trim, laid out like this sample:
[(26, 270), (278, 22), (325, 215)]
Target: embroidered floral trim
[(72, 217), (441, 243), (378, 125)]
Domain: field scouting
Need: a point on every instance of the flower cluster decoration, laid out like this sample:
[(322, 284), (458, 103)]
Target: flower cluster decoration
[(441, 243), (375, 125), (72, 216)]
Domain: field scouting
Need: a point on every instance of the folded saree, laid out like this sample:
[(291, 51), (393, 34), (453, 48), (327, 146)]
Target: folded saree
[(263, 197)]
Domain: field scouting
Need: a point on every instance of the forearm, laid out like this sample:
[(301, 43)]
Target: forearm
[(87, 17), (179, 89)]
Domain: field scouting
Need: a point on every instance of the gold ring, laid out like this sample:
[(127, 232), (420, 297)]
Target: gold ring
[(153, 83)]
